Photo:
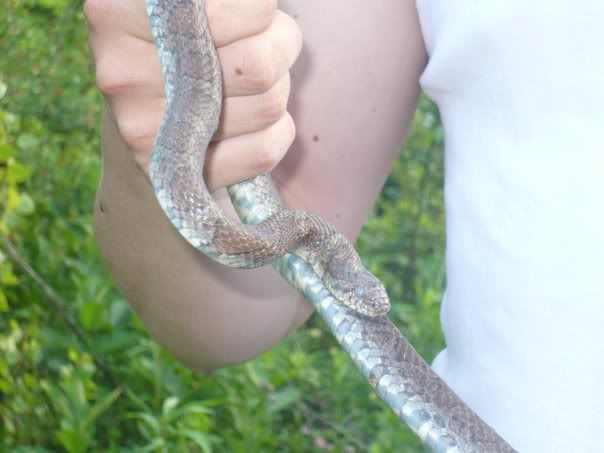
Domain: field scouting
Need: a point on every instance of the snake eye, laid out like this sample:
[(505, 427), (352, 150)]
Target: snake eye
[(359, 293)]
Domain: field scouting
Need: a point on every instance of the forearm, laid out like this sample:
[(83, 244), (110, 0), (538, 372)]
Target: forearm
[(208, 315)]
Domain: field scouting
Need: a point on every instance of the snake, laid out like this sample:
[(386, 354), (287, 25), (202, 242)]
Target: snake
[(309, 252)]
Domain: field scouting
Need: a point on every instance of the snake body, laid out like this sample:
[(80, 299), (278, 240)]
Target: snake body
[(308, 251), (194, 98)]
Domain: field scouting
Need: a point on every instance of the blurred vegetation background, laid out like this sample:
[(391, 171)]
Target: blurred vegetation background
[(79, 373)]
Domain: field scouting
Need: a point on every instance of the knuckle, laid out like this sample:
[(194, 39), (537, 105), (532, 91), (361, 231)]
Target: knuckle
[(122, 72), (136, 133), (273, 109), (275, 103), (267, 8), (298, 38), (258, 70), (115, 76), (109, 79), (214, 11), (294, 32), (96, 11), (290, 128), (274, 145), (268, 155)]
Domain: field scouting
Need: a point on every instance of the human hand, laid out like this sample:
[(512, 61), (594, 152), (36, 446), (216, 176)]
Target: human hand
[(256, 44)]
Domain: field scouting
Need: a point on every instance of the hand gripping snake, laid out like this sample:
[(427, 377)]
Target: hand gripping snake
[(308, 251)]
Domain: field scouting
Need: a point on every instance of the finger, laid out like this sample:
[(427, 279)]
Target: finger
[(246, 156), (250, 66), (254, 64), (126, 66), (138, 119), (229, 20), (244, 114), (227, 161)]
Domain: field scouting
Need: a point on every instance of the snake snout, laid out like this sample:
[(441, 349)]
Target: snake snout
[(360, 291), (371, 301)]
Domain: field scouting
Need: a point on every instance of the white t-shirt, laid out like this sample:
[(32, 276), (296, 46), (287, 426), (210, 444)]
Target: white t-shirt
[(520, 88)]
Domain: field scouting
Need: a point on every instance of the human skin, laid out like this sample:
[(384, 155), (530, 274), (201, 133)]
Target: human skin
[(354, 90)]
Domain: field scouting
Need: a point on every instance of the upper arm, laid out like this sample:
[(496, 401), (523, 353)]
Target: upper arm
[(354, 91)]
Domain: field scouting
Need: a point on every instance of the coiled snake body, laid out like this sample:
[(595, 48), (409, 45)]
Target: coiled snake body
[(324, 266)]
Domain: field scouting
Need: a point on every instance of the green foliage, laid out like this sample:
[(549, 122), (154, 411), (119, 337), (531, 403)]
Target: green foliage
[(177, 424), (69, 400), (113, 388)]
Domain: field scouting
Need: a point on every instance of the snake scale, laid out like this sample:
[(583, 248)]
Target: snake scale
[(308, 251)]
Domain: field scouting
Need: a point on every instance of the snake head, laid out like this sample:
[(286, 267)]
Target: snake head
[(363, 293)]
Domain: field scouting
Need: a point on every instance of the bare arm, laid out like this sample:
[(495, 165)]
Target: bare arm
[(354, 91)]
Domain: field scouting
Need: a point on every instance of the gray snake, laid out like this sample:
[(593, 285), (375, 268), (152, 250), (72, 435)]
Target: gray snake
[(307, 250)]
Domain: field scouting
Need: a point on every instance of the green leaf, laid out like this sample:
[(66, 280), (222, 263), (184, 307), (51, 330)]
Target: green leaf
[(73, 441), (7, 277), (156, 445), (169, 404), (3, 302), (191, 409), (3, 89), (12, 199), (137, 400), (26, 205), (150, 426), (6, 152), (101, 406), (202, 440), (91, 315), (113, 341), (28, 141), (75, 392), (283, 398), (17, 173), (120, 312)]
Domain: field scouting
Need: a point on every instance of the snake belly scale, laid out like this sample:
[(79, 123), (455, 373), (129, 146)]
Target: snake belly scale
[(308, 251)]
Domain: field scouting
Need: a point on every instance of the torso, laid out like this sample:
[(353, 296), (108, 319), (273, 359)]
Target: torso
[(520, 87)]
